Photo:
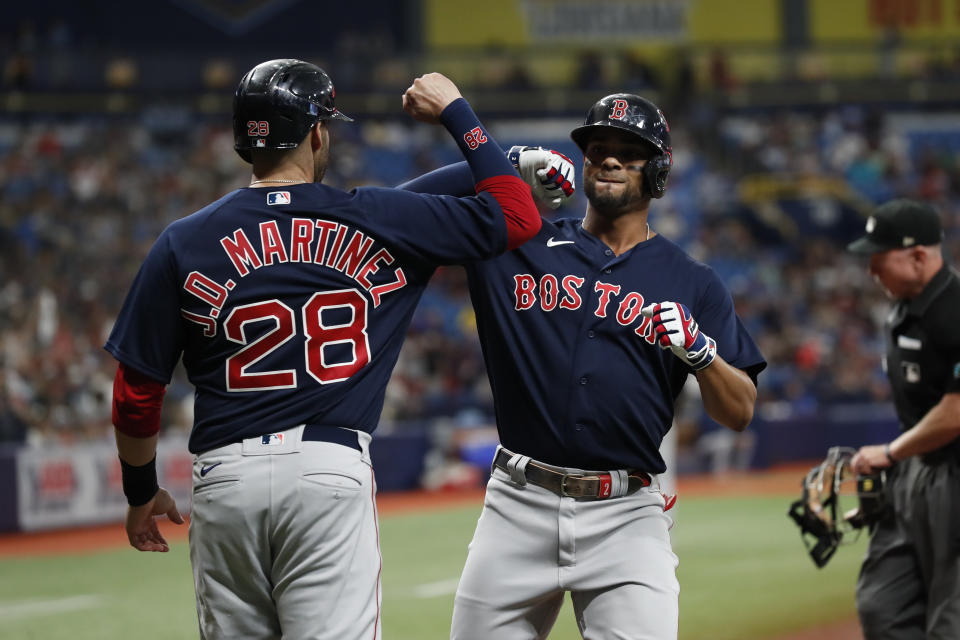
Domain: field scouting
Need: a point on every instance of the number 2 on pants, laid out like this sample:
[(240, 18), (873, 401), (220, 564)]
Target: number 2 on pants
[(318, 336)]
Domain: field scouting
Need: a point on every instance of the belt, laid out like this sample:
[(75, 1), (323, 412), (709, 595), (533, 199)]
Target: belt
[(588, 485), (337, 435)]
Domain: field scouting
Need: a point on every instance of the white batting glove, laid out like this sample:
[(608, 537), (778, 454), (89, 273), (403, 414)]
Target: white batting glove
[(676, 330), (549, 173)]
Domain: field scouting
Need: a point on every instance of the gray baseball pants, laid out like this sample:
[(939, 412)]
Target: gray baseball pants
[(531, 546), (284, 541)]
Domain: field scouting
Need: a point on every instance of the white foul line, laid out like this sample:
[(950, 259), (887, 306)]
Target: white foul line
[(42, 607), (436, 589)]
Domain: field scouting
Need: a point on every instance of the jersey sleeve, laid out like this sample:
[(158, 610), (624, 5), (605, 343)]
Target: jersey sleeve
[(452, 180), (148, 333), (503, 204), (718, 319), (437, 229)]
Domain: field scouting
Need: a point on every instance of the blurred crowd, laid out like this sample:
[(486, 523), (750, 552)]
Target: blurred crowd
[(769, 200)]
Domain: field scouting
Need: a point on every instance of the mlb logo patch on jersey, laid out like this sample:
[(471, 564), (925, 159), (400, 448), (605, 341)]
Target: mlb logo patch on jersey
[(278, 197), (272, 439)]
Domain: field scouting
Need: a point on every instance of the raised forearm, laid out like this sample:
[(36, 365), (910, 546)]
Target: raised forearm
[(728, 394), (452, 180)]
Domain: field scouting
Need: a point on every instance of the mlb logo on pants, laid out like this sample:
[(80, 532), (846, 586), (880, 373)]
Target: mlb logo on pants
[(272, 439)]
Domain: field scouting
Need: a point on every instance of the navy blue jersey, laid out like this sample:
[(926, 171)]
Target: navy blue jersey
[(577, 377), (290, 304)]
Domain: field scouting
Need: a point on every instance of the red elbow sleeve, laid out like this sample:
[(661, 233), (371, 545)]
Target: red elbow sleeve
[(519, 211), (137, 401)]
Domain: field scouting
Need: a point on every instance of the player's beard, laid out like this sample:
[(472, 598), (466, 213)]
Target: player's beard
[(320, 162), (613, 206), (321, 156)]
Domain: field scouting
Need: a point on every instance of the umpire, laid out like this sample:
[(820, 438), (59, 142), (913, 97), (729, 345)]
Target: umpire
[(909, 585)]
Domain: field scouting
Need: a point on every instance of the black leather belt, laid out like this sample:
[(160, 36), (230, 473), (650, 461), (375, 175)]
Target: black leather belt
[(589, 485), (337, 435)]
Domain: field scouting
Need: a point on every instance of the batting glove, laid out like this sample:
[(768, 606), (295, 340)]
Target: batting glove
[(549, 173), (676, 330)]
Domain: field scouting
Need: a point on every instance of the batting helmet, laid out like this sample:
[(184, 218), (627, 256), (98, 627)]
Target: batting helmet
[(641, 118), (277, 103)]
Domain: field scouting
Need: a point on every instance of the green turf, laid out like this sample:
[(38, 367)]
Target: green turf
[(743, 575)]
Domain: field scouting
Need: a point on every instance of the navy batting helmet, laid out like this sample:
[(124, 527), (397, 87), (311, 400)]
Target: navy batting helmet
[(277, 103), (641, 118)]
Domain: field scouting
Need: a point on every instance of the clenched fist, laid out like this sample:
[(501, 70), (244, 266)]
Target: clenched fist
[(549, 173), (428, 96), (676, 330)]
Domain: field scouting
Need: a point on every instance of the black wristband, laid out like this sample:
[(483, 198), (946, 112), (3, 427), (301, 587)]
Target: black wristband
[(886, 450), (139, 483)]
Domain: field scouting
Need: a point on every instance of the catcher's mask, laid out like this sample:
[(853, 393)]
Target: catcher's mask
[(823, 522)]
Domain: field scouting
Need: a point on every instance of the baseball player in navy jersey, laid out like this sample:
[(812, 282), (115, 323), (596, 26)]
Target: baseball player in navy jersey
[(589, 332), (288, 302)]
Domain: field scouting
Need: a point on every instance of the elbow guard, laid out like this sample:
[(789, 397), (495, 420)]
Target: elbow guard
[(519, 211), (137, 401)]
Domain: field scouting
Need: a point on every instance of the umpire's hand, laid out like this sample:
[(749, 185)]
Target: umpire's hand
[(871, 458), (142, 531), (428, 96)]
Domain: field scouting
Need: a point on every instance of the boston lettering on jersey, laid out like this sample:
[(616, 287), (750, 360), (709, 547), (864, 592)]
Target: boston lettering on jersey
[(308, 240), (553, 292)]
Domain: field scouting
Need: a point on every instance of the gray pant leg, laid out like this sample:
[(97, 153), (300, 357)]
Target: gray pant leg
[(286, 544), (324, 535), (934, 526), (509, 589), (227, 543), (890, 598), (624, 584), (627, 612), (891, 595)]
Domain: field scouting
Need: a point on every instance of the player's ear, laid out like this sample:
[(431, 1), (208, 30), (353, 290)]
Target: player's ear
[(318, 136)]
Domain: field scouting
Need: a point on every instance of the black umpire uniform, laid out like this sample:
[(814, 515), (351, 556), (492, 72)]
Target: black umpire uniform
[(909, 584)]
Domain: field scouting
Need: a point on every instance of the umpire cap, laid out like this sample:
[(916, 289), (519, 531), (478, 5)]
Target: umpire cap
[(277, 102), (899, 224)]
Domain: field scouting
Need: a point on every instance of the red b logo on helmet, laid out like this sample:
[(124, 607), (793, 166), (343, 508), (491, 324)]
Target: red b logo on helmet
[(619, 109)]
